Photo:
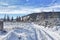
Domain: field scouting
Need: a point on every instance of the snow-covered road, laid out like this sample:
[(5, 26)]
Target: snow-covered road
[(31, 31), (45, 34)]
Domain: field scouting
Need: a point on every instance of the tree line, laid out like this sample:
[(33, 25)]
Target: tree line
[(7, 18)]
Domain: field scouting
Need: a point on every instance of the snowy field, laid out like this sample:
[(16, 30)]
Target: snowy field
[(31, 31)]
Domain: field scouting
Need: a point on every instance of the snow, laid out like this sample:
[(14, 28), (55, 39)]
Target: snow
[(31, 31)]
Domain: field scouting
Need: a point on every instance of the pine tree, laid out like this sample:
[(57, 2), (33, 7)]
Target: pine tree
[(8, 19), (12, 18), (17, 18), (4, 18)]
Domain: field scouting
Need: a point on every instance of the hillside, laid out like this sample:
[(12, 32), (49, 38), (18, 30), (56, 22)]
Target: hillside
[(44, 18)]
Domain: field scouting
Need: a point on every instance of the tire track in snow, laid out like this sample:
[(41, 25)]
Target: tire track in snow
[(43, 37), (48, 35), (51, 35)]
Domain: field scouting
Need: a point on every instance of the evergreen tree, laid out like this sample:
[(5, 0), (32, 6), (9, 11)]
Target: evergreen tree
[(8, 19), (12, 18), (17, 18), (4, 18)]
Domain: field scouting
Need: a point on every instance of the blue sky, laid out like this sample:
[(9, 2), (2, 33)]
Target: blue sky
[(33, 3), (11, 15), (28, 6), (29, 2)]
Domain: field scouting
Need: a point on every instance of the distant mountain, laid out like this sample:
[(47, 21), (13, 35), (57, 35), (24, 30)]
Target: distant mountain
[(44, 18)]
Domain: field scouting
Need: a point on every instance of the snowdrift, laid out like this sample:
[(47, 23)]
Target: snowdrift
[(32, 31)]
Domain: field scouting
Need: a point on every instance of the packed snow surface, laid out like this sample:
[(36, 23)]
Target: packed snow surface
[(31, 31)]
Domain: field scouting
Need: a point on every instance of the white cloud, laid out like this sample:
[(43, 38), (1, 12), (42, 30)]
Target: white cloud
[(2, 3), (25, 10), (16, 9)]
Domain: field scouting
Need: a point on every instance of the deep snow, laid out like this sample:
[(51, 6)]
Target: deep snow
[(31, 31)]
